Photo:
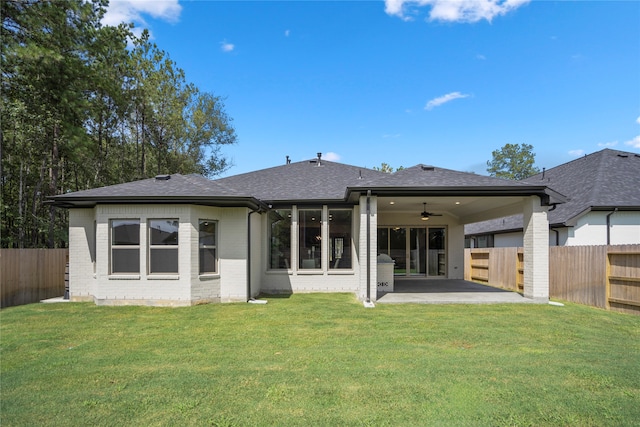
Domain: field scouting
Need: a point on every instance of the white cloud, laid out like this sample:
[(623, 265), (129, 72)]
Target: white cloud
[(608, 144), (133, 10), (454, 10), (287, 33), (635, 142), (332, 157), (393, 136), (638, 120), (227, 47), (435, 102), (481, 57), (576, 153)]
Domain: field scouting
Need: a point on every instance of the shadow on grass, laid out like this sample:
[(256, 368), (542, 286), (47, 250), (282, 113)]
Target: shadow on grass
[(276, 296)]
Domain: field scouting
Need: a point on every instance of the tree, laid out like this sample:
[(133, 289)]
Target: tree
[(387, 168), (513, 161), (79, 109)]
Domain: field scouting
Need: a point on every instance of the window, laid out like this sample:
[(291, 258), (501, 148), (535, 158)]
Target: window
[(339, 238), (125, 246), (207, 246), (280, 239), (310, 238), (163, 246)]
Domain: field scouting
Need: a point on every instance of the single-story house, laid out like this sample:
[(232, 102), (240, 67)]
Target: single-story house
[(309, 226), (603, 206)]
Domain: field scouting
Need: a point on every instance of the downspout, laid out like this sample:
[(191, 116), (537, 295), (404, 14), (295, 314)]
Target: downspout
[(249, 298), (557, 236), (368, 247), (609, 225)]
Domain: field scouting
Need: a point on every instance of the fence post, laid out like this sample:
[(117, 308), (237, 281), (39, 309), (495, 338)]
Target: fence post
[(66, 281)]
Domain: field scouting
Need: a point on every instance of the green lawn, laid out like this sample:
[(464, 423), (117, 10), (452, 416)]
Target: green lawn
[(319, 359)]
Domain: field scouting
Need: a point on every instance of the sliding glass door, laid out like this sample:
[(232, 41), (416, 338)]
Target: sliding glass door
[(417, 251), (398, 249)]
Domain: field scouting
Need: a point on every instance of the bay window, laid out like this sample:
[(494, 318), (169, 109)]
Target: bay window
[(125, 246), (163, 246), (207, 246)]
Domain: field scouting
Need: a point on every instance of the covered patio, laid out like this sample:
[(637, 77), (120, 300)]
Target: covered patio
[(448, 291)]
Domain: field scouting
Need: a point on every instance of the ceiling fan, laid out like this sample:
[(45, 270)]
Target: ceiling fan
[(426, 215)]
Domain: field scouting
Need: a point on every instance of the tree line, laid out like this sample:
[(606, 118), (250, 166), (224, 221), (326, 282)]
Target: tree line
[(85, 105)]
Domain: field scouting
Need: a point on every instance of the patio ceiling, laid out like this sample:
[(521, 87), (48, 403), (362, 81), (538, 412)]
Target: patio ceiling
[(464, 209)]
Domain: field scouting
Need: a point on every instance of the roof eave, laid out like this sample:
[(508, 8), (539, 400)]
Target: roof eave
[(573, 221), (224, 201)]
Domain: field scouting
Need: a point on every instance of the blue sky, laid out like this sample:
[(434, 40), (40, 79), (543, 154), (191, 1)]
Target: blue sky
[(438, 82)]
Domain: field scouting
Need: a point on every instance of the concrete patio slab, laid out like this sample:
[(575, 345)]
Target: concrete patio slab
[(54, 300), (448, 291)]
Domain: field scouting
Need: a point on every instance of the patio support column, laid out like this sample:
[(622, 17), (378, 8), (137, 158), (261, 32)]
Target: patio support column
[(373, 245), (536, 250)]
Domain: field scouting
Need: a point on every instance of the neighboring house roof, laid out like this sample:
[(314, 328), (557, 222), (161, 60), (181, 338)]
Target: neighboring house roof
[(604, 180)]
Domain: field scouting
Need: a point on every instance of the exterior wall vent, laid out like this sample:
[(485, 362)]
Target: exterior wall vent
[(163, 177), (428, 168)]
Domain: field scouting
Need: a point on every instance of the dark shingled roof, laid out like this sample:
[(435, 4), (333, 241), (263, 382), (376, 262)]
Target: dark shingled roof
[(311, 181), (603, 180), (306, 180), (176, 188), (431, 176), (430, 180)]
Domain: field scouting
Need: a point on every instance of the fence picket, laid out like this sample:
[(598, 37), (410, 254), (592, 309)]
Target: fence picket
[(31, 275), (600, 276)]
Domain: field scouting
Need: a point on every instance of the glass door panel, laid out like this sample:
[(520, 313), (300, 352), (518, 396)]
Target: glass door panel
[(437, 254), (398, 249), (418, 251), (383, 241)]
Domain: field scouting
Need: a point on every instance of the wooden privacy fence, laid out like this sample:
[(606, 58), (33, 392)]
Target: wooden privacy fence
[(31, 275), (600, 276)]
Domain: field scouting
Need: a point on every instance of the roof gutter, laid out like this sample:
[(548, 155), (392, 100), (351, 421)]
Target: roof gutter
[(224, 201), (548, 197)]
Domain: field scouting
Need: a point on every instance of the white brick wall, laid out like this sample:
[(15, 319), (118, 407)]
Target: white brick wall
[(185, 288), (454, 247), (536, 250), (81, 244), (373, 244), (297, 281)]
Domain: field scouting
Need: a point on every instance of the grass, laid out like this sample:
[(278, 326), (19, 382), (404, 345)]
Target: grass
[(318, 359)]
